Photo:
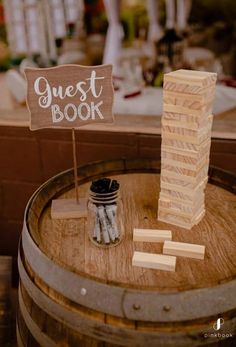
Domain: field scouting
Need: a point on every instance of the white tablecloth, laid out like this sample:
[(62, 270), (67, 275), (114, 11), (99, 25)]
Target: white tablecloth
[(150, 101)]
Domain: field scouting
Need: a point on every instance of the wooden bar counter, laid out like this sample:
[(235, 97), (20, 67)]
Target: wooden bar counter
[(29, 158)]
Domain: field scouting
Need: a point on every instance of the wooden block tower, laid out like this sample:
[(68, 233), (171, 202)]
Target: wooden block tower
[(186, 139)]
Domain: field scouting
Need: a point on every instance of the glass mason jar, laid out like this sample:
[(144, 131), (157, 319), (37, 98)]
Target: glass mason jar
[(104, 223)]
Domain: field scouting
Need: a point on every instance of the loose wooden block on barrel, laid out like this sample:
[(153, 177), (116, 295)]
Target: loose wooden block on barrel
[(74, 293), (184, 249), (154, 261), (151, 235)]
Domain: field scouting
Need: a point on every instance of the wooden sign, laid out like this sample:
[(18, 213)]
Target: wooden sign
[(69, 96)]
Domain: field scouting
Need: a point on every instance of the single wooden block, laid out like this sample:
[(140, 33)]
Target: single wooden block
[(191, 204), (186, 190), (165, 218), (180, 176), (182, 249), (184, 146), (189, 81), (174, 217), (202, 113), (203, 150), (173, 170), (181, 192), (188, 101), (190, 121), (181, 198), (69, 208), (201, 98), (184, 162), (185, 124), (185, 197), (151, 235), (180, 86), (204, 135), (185, 131), (184, 156), (183, 217), (181, 182), (154, 261), (188, 176), (184, 110), (182, 207)]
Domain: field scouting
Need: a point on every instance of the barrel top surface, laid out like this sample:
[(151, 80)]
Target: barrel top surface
[(66, 242)]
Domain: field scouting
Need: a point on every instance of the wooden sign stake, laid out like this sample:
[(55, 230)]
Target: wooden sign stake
[(69, 96), (70, 208), (75, 166)]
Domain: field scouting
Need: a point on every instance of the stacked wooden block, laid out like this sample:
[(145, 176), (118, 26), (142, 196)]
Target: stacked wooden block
[(186, 139)]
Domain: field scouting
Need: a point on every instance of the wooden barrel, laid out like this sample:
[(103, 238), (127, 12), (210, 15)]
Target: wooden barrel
[(73, 293)]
